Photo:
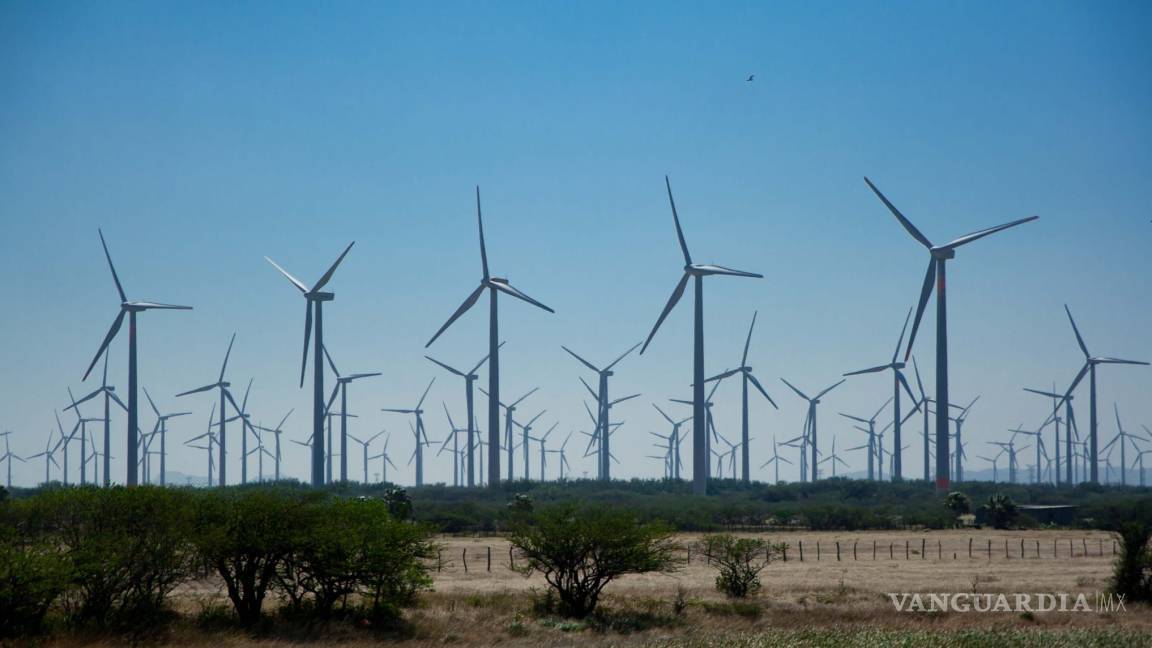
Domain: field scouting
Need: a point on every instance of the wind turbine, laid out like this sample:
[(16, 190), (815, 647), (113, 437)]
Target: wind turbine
[(509, 411), (833, 457), (385, 461), (746, 376), (1011, 449), (696, 272), (810, 420), (365, 445), (225, 398), (1054, 418), (81, 424), (65, 439), (959, 420), (603, 403), (109, 393), (1139, 460), (454, 438), (314, 301), (604, 429), (129, 308), (494, 286), (709, 426), (1090, 363), (937, 265), (1124, 437), (526, 429), (1040, 448), (775, 459), (994, 461), (244, 417), (342, 387), (277, 431), (9, 456), (50, 458), (418, 431), (543, 449), (871, 431), (898, 381), (211, 439), (563, 457), (469, 380), (674, 440), (162, 427)]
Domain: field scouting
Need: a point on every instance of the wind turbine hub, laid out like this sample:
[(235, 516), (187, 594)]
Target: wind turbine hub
[(943, 253), (320, 296)]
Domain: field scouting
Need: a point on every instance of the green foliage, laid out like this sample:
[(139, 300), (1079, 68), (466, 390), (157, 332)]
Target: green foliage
[(124, 550), (521, 503), (958, 503), (399, 503), (1132, 574), (31, 578), (739, 561), (1001, 510), (580, 551)]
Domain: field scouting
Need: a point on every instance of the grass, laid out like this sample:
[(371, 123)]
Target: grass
[(868, 637)]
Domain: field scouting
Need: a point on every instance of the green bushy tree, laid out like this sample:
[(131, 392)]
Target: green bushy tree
[(739, 561)]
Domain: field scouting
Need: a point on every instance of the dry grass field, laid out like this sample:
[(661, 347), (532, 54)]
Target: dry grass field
[(811, 602)]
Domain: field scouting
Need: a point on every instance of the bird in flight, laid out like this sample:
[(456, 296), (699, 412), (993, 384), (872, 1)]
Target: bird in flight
[(751, 78)]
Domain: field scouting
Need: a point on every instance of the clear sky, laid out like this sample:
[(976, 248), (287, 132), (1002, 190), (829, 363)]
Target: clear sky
[(203, 135)]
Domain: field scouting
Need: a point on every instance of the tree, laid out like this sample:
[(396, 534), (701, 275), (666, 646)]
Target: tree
[(958, 503), (580, 551), (245, 535), (1001, 510), (399, 503), (739, 561), (1132, 575)]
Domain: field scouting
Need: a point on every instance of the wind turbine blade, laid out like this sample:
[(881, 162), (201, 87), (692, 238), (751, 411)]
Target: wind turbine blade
[(622, 356), (480, 224), (900, 342), (76, 403), (829, 389), (968, 238), (198, 390), (519, 400), (332, 365), (724, 374), (662, 413), (900, 217), (332, 398), (119, 288), (760, 388), (296, 282), (328, 275), (1120, 361), (925, 293), (919, 383), (676, 219), (868, 370), (582, 360), (507, 288), (483, 360), (115, 328), (904, 383), (307, 339), (147, 305), (621, 400), (444, 366), (425, 394), (244, 403), (722, 270), (677, 293), (1076, 330), (748, 340), (854, 418), (798, 392), (451, 424), (468, 303)]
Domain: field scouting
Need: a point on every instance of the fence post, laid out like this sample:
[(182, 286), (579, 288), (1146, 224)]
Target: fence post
[(891, 556), (1113, 547), (1071, 553), (511, 560), (939, 550), (969, 547), (489, 558), (1085, 541), (873, 550), (1101, 542), (1021, 547), (905, 550), (854, 543), (439, 562), (465, 560), (1006, 548), (837, 551), (1037, 549), (818, 551), (989, 549), (801, 550), (785, 553)]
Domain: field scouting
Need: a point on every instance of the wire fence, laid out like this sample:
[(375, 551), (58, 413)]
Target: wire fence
[(483, 558)]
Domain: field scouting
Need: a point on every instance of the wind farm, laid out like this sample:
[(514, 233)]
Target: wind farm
[(521, 340)]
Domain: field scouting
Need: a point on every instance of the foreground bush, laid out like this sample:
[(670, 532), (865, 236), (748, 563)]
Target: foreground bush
[(31, 579), (739, 561), (124, 550), (1132, 575), (580, 551)]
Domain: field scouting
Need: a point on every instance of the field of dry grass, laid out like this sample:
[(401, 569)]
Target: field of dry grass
[(809, 602)]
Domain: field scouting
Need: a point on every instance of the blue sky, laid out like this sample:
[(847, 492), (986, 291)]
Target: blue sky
[(202, 136)]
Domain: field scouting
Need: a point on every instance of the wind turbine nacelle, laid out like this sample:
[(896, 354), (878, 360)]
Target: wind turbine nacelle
[(321, 296), (943, 253)]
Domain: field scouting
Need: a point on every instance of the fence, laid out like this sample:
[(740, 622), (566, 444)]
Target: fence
[(479, 559)]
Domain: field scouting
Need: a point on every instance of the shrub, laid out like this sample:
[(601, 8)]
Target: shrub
[(1001, 510), (1132, 575), (580, 552), (739, 561), (31, 578), (399, 503), (244, 536), (958, 503), (124, 550)]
